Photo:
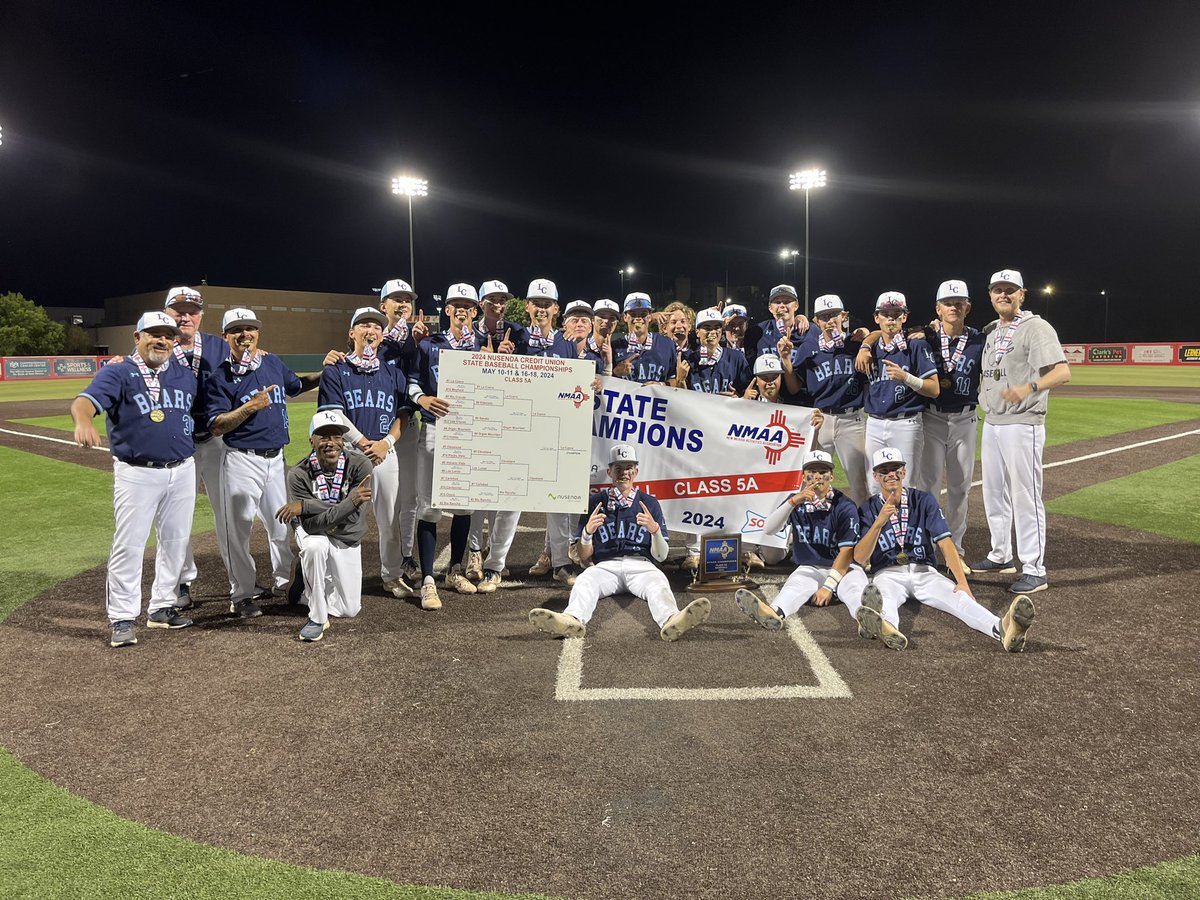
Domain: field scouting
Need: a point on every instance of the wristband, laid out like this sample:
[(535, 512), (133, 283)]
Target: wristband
[(391, 441), (835, 576), (793, 502), (913, 381), (585, 537), (830, 584), (1033, 387)]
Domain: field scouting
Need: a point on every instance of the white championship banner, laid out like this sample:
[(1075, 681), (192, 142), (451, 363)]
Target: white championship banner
[(516, 437), (717, 465)]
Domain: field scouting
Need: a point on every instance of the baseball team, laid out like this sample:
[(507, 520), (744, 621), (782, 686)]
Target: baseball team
[(896, 403)]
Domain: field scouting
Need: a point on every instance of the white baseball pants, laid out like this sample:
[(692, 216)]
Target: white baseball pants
[(406, 499), (385, 502), (560, 528), (1012, 493), (254, 484), (332, 575), (847, 435), (627, 575), (924, 583), (143, 496), (949, 450), (209, 455), (807, 580), (502, 529), (906, 435)]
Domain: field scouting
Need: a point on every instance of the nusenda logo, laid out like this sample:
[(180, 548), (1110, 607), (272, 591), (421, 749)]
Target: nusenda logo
[(775, 436), (577, 396)]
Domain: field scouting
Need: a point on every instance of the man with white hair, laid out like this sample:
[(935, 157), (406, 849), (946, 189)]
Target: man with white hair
[(903, 526), (1022, 361), (624, 531), (327, 494)]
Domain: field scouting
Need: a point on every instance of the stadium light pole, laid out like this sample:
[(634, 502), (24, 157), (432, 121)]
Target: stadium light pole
[(1104, 294), (410, 187), (806, 181), (1048, 292), (786, 255)]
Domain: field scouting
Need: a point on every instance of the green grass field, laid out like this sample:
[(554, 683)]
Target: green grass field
[(56, 845)]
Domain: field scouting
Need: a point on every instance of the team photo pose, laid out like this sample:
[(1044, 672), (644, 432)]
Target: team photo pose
[(625, 534)]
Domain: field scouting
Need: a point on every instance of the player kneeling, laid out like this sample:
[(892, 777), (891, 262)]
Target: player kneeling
[(625, 534), (905, 525), (326, 496), (825, 529)]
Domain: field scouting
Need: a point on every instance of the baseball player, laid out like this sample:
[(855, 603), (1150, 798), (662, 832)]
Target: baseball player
[(327, 491), (148, 402), (494, 334), (785, 323), (824, 531), (625, 534), (949, 425), (373, 396), (837, 389), (648, 358), (245, 402), (462, 307), (711, 368), (736, 321), (1022, 361), (202, 353), (905, 375), (905, 525), (541, 305), (680, 320), (605, 316)]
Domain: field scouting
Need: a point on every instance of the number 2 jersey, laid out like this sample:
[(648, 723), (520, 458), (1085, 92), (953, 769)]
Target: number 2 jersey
[(621, 535)]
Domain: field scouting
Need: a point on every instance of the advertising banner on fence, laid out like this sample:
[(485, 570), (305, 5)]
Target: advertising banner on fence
[(715, 464), (1189, 353)]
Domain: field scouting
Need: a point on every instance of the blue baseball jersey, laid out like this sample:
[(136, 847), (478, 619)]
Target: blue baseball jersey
[(818, 537), (371, 400), (656, 364), (829, 375), (964, 375), (763, 338), (400, 353), (518, 334), (565, 348), (729, 373), (425, 368), (225, 391), (889, 399), (120, 392), (213, 350), (926, 526), (621, 535)]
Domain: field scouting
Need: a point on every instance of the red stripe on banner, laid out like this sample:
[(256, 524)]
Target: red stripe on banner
[(722, 485)]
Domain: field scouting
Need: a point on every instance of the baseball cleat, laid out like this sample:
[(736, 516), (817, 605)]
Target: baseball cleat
[(398, 587), (893, 638), (167, 617), (489, 583), (690, 563), (987, 567), (1015, 623), (573, 553), (245, 609), (313, 631), (556, 623), (1029, 584), (566, 575), (868, 623), (542, 566), (122, 634), (456, 580), (474, 567), (695, 613), (758, 611), (185, 600), (872, 624), (429, 597), (752, 559), (410, 571)]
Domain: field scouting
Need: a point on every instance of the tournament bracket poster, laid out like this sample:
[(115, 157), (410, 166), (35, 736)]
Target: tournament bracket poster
[(517, 436), (717, 465)]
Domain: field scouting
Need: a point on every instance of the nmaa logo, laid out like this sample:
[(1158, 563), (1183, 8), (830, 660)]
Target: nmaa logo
[(775, 436), (577, 396)]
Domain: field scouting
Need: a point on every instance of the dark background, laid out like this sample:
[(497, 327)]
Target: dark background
[(146, 145)]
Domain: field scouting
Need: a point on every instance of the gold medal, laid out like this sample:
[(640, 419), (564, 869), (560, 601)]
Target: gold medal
[(997, 375), (902, 558), (157, 415), (945, 382)]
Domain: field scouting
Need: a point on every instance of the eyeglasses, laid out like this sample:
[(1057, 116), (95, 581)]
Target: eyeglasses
[(1008, 291)]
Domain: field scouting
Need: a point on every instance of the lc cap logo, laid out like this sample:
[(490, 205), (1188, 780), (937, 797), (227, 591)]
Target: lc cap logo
[(886, 455)]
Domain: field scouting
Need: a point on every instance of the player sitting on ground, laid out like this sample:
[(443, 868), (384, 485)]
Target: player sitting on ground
[(825, 530), (327, 492), (625, 533), (905, 525)]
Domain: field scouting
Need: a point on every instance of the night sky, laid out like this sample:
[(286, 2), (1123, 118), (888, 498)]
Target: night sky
[(147, 145)]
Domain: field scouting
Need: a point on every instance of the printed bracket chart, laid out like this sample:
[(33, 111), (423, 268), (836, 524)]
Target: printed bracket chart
[(518, 435)]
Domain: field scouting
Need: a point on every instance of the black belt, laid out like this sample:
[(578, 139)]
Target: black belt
[(153, 464), (269, 454), (893, 418), (959, 410), (843, 411)]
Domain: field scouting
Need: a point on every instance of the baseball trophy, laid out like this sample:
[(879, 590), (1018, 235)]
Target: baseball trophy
[(720, 570)]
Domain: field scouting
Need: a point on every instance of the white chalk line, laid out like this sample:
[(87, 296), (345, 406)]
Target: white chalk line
[(42, 437)]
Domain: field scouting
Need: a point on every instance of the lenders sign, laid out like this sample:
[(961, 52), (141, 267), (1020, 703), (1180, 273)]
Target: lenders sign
[(715, 464)]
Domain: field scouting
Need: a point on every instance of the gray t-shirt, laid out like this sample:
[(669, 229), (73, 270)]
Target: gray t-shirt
[(343, 520), (1035, 347)]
